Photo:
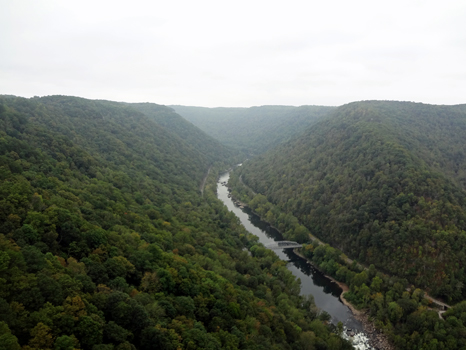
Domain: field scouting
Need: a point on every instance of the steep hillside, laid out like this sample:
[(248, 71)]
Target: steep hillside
[(384, 182), (188, 132), (253, 130), (105, 242)]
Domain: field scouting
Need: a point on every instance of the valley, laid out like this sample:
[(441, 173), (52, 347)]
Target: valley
[(107, 243), (112, 234), (367, 181)]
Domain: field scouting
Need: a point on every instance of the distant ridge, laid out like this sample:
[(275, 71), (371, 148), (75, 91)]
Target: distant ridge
[(253, 130)]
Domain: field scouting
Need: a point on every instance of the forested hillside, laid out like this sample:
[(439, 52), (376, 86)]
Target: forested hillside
[(253, 130), (192, 135), (383, 181), (106, 243)]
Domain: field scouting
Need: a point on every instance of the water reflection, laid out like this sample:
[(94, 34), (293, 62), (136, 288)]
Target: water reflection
[(326, 293), (318, 279)]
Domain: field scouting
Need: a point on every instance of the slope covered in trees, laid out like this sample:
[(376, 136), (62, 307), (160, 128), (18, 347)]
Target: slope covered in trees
[(191, 134), (253, 130), (382, 181), (105, 242)]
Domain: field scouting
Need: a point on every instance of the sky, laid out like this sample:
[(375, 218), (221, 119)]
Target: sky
[(235, 53)]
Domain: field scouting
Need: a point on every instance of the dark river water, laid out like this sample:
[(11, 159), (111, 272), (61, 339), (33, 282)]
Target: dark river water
[(326, 293)]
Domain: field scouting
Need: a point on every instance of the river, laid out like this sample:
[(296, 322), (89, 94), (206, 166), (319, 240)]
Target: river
[(326, 292)]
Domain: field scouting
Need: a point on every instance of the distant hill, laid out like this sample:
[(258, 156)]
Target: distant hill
[(188, 132), (253, 130), (383, 181)]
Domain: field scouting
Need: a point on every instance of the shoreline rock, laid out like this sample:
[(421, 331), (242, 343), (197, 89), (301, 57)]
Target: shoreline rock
[(377, 339)]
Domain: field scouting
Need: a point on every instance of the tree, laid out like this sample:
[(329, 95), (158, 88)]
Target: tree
[(7, 340), (376, 284), (166, 339), (365, 292), (75, 307), (42, 337), (89, 331), (360, 279), (395, 312), (65, 342), (116, 334)]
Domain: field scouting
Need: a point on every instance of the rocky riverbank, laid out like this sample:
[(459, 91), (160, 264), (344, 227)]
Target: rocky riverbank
[(377, 339), (236, 201)]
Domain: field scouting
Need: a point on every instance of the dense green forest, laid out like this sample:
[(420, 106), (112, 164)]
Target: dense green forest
[(406, 315), (253, 130), (382, 181), (106, 242), (403, 312), (192, 135), (385, 183)]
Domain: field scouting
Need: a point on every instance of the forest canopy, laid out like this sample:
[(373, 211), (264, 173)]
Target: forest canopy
[(385, 182), (107, 243)]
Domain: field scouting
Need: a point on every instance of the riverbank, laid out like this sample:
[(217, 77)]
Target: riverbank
[(377, 339), (342, 285), (242, 205), (326, 291)]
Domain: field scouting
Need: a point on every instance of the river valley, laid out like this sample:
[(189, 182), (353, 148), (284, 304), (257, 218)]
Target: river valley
[(326, 292)]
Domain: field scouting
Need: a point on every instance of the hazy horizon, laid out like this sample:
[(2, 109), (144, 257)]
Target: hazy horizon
[(245, 54)]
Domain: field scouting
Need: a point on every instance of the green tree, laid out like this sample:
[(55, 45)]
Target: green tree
[(7, 340), (89, 331), (65, 342), (41, 337), (395, 312)]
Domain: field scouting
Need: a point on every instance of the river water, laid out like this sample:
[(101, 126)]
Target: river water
[(326, 292)]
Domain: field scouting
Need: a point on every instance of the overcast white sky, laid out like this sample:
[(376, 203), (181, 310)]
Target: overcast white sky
[(235, 53)]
